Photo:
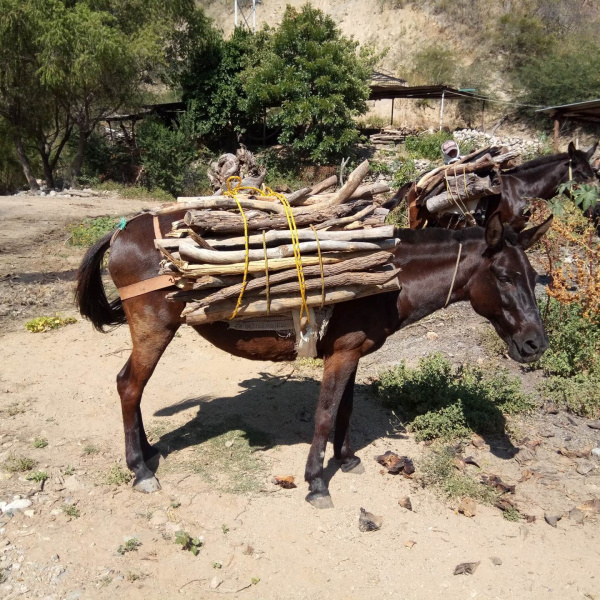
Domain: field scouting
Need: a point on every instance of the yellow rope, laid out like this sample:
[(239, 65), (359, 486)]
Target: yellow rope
[(266, 272), (232, 193), (321, 266)]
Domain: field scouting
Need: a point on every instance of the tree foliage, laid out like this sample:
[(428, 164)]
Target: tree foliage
[(311, 82)]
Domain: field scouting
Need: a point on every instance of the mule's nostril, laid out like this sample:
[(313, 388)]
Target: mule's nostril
[(531, 346)]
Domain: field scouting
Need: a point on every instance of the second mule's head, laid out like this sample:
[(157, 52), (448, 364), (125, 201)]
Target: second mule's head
[(503, 289), (581, 170)]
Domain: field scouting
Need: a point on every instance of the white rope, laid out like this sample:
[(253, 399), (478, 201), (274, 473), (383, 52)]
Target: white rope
[(454, 275)]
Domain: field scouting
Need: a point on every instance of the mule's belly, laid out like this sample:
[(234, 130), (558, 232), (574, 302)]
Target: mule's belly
[(253, 345)]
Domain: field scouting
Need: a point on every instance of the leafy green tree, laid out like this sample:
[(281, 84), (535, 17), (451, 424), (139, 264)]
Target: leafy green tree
[(561, 76), (312, 82), (434, 65), (166, 152)]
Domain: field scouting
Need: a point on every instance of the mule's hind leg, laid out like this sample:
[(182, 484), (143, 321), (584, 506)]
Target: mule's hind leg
[(150, 338), (341, 437), (339, 371)]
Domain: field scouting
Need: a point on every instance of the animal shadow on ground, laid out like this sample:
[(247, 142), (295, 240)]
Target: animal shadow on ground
[(278, 411)]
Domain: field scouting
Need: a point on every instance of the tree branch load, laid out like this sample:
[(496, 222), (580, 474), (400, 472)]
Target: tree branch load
[(460, 189), (342, 257)]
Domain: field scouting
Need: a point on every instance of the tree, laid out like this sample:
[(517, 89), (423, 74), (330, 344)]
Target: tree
[(434, 65), (312, 82)]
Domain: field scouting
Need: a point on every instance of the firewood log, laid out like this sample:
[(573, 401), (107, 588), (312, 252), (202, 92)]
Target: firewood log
[(192, 252)]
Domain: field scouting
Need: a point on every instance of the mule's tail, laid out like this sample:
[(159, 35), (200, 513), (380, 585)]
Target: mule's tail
[(90, 295)]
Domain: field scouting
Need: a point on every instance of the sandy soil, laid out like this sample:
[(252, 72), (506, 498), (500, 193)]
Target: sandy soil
[(227, 426)]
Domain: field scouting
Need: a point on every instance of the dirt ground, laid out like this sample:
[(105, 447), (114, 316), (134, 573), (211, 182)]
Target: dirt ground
[(227, 426)]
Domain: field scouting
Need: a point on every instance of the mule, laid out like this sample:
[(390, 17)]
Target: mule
[(537, 178), (487, 267)]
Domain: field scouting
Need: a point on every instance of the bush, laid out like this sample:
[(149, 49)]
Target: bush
[(166, 153), (406, 172), (439, 401), (426, 145), (88, 232)]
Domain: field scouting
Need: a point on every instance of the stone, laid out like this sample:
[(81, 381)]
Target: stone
[(18, 504), (496, 561), (159, 518), (584, 467), (552, 519), (405, 502), (432, 335), (596, 452), (29, 513), (468, 507), (73, 484), (215, 583), (576, 515)]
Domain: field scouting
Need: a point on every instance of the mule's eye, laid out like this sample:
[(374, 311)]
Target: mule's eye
[(503, 279)]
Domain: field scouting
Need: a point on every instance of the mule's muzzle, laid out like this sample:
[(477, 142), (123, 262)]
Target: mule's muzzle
[(528, 347)]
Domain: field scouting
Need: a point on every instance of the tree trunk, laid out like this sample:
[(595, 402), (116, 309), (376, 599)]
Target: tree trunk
[(78, 160), (48, 175), (25, 164)]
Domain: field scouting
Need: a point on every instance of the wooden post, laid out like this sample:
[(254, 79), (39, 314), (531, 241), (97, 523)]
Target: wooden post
[(442, 110), (483, 116), (392, 117), (556, 130)]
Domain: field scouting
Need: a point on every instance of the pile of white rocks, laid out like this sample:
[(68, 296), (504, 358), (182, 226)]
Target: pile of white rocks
[(481, 140)]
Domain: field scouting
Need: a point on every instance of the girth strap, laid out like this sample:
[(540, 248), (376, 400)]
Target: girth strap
[(147, 285)]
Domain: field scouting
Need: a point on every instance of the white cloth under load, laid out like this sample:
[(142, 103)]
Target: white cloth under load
[(288, 324)]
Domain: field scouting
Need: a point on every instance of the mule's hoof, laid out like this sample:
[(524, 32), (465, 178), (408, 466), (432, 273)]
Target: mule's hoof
[(320, 499), (353, 466), (147, 486)]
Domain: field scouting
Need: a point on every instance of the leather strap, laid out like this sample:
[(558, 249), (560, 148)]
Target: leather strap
[(157, 232), (147, 285)]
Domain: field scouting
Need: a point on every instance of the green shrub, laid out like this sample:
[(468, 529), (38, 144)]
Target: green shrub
[(43, 324), (574, 341), (440, 401), (439, 469), (88, 232), (166, 153), (426, 145), (405, 173)]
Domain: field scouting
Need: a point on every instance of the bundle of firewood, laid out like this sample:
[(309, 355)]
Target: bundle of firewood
[(458, 185), (341, 241)]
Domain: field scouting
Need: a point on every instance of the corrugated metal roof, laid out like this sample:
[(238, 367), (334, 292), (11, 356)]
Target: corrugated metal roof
[(381, 92), (585, 111)]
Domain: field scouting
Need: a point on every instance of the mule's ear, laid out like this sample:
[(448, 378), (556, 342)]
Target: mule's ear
[(494, 233), (591, 151), (571, 150), (530, 236)]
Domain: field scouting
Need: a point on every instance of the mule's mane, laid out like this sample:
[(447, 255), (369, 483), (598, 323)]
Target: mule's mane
[(538, 162), (434, 234)]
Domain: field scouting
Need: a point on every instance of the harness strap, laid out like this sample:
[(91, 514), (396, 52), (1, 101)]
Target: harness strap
[(454, 275), (157, 232), (147, 285)]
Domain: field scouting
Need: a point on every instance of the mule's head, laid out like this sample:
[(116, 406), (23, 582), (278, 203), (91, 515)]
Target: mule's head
[(579, 160), (502, 289)]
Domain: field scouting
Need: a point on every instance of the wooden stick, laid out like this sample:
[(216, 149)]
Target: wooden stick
[(344, 220), (277, 264), (341, 280), (206, 202), (298, 195), (192, 252), (216, 222), (210, 282), (324, 185), (284, 236), (363, 192), (223, 310), (362, 263), (350, 186)]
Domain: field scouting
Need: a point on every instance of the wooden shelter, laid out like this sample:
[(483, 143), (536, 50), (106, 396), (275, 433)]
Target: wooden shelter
[(588, 111)]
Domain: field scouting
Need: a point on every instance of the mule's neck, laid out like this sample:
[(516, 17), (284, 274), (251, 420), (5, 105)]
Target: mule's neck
[(429, 265), (543, 180)]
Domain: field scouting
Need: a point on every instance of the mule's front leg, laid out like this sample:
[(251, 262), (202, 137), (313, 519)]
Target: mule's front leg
[(338, 372)]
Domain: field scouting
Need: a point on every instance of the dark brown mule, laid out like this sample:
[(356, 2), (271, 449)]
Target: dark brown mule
[(493, 273), (537, 178)]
